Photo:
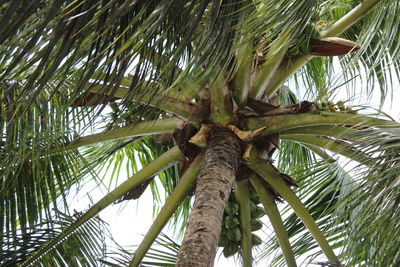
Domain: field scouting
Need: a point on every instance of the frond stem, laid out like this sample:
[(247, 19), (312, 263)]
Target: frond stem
[(350, 18), (275, 124), (141, 129), (320, 152), (168, 104), (264, 73), (221, 102), (243, 198), (276, 220), (241, 80), (295, 62), (272, 178), (341, 148), (178, 195), (326, 130), (242, 77), (161, 126)]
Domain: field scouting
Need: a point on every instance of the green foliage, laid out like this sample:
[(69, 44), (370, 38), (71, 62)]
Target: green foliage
[(342, 202), (83, 247), (62, 62), (163, 253)]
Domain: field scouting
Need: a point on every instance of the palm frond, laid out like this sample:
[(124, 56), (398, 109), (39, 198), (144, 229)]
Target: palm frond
[(291, 153), (163, 252), (267, 172), (131, 152), (83, 247), (379, 41), (100, 42), (374, 204), (38, 153), (166, 160), (323, 186), (373, 67), (30, 190), (129, 155), (273, 19), (338, 203)]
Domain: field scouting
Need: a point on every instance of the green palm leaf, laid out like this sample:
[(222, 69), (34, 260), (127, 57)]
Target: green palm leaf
[(83, 247), (163, 252)]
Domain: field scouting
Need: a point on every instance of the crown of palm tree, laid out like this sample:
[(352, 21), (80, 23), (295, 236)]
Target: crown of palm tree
[(205, 96)]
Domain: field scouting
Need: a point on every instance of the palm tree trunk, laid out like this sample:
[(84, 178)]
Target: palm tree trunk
[(214, 184)]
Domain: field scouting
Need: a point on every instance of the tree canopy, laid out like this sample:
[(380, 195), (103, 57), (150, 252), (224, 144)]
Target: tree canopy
[(163, 87)]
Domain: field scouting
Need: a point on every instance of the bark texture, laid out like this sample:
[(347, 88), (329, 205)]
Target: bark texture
[(214, 184)]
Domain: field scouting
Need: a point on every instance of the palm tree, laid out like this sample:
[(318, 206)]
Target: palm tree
[(194, 92)]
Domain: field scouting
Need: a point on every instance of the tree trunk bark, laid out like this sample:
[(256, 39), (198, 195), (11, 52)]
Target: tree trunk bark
[(214, 184)]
